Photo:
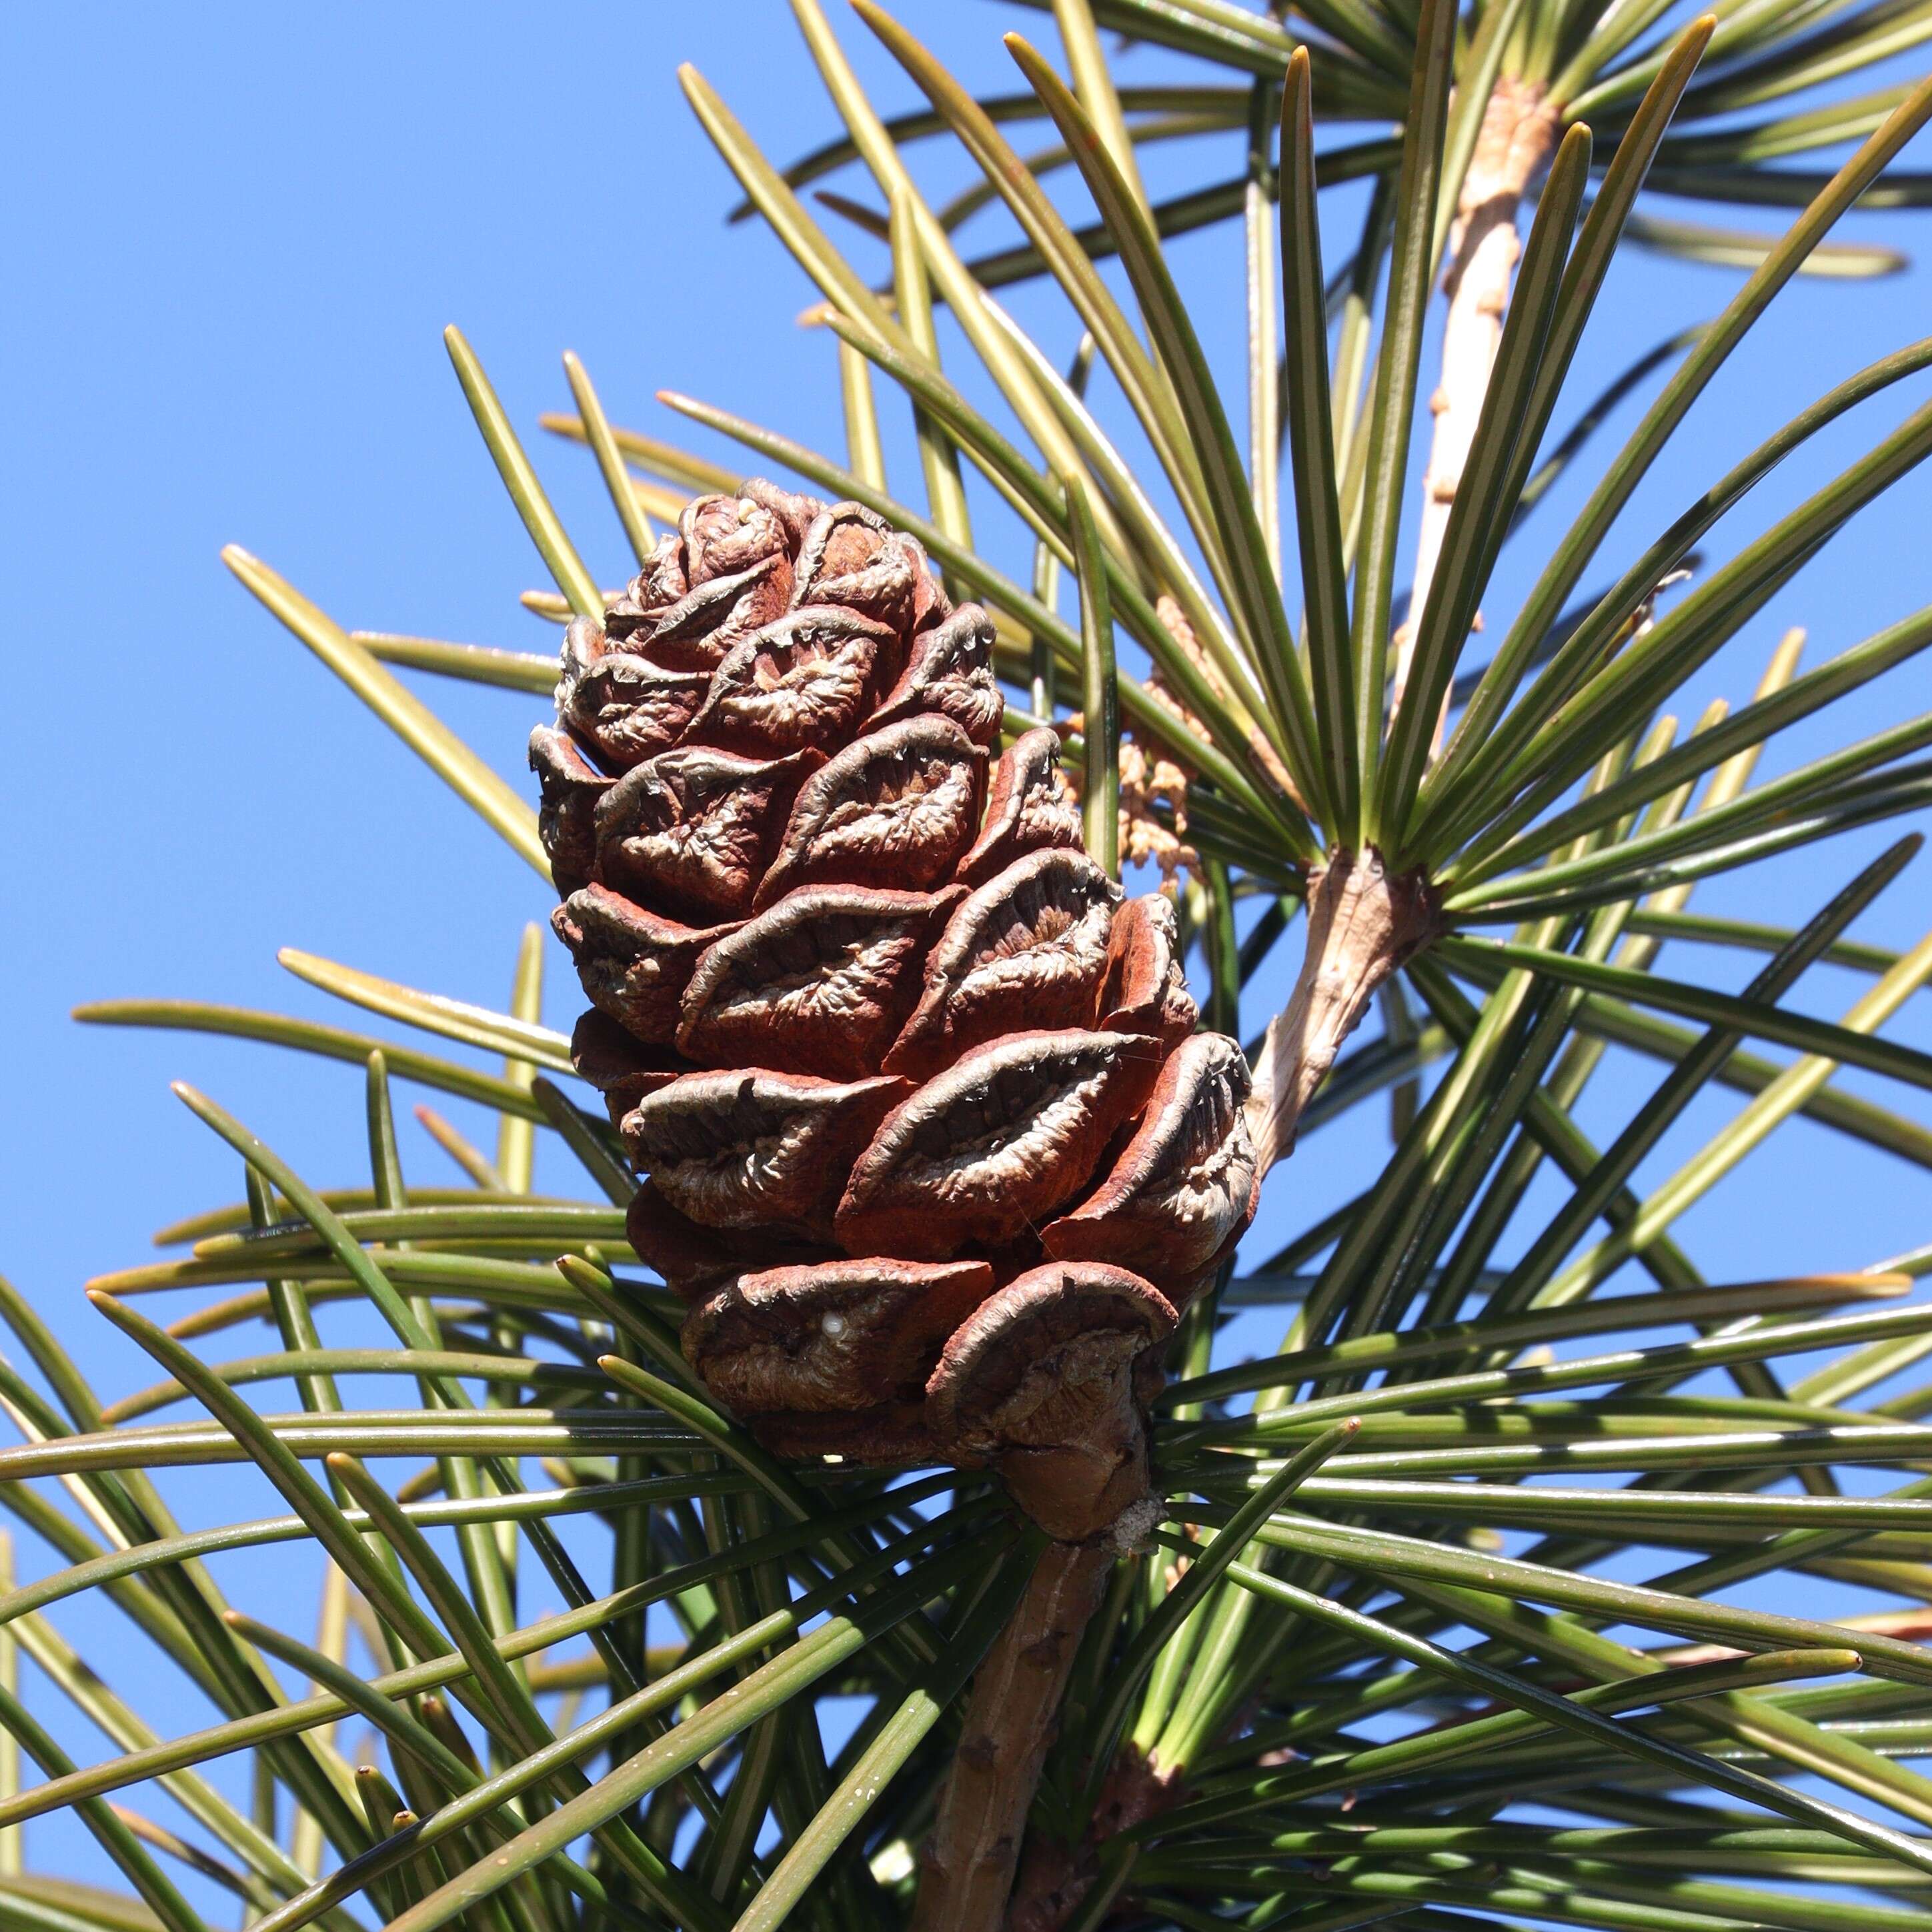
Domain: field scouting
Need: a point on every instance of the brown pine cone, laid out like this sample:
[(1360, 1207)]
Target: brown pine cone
[(927, 1138)]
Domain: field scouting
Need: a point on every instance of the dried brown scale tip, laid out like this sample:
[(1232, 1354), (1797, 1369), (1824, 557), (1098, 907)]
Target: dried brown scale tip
[(1029, 949), (996, 1143), (696, 1261), (634, 965), (756, 1150), (1145, 990), (949, 671), (850, 556), (568, 789), (796, 512), (695, 632), (725, 572), (896, 808), (806, 679), (1038, 1382), (722, 537), (821, 983), (619, 703), (842, 1337), (1029, 804), (620, 1067), (695, 827), (1185, 1182)]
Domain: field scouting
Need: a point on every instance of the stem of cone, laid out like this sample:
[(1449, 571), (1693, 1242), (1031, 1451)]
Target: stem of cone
[(1518, 135), (967, 1865)]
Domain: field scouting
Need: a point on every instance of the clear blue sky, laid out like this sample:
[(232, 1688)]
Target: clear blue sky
[(234, 235)]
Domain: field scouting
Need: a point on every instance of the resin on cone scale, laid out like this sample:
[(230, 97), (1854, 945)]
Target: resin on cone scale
[(926, 1137)]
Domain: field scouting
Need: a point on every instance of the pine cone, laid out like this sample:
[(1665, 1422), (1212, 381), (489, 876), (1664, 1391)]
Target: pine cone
[(928, 1139)]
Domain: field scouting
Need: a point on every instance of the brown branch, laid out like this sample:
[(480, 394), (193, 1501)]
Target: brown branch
[(1363, 921), (967, 1866), (1519, 131), (1055, 1878)]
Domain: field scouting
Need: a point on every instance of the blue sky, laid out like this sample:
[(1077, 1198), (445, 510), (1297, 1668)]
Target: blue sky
[(235, 235)]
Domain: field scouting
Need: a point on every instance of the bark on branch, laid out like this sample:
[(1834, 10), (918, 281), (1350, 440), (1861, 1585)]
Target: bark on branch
[(968, 1861), (1518, 134), (1363, 921)]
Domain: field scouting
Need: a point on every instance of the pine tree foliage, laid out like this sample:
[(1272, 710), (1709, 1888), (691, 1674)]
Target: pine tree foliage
[(1451, 1613)]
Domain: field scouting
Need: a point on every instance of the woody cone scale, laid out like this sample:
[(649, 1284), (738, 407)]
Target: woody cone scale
[(927, 1138)]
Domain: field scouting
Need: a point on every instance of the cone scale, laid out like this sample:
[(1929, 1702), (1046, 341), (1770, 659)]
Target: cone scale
[(926, 1137)]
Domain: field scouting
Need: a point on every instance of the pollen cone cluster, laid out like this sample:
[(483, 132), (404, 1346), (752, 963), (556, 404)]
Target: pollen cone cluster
[(926, 1136)]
